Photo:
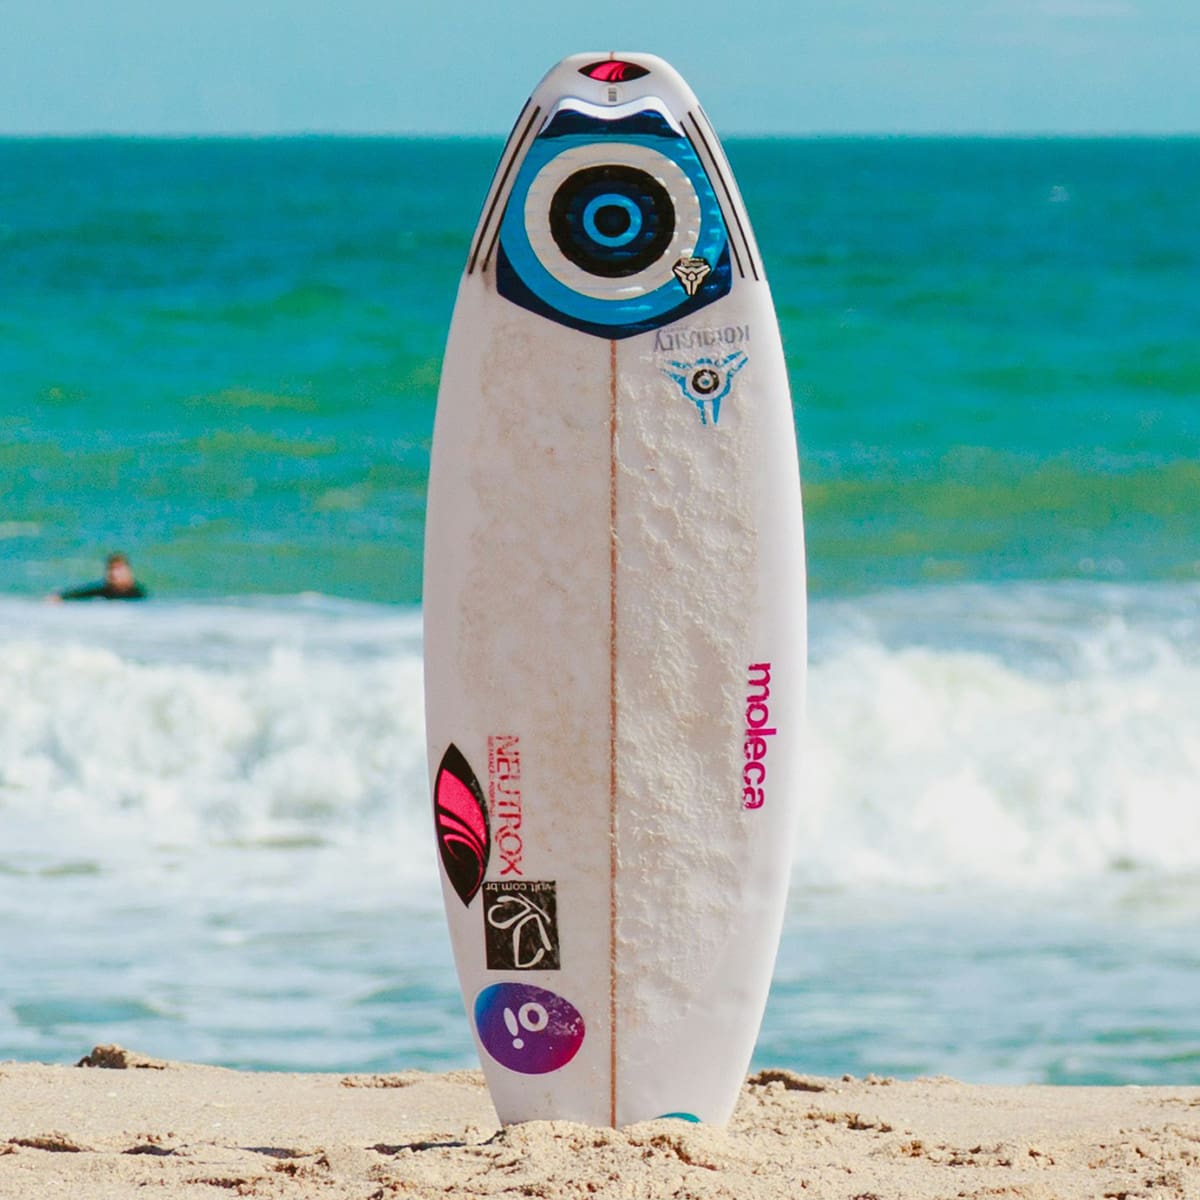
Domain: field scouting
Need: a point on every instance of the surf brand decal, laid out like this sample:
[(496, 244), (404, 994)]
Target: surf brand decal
[(461, 819), (602, 211), (504, 799), (707, 381), (691, 272), (758, 718), (672, 341), (528, 1029), (520, 926), (613, 70), (680, 1116)]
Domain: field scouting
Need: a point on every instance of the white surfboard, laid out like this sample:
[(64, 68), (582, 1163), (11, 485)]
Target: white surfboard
[(614, 611)]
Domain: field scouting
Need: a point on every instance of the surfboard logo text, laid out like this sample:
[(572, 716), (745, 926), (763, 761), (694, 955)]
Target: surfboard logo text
[(706, 381), (520, 926), (672, 341), (758, 730), (461, 820), (504, 799)]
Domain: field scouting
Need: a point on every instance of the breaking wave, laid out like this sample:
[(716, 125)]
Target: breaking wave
[(1026, 735)]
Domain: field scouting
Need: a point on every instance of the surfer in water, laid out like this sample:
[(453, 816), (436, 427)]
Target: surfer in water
[(118, 583)]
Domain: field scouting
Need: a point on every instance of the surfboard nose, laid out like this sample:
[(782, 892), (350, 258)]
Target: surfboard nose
[(612, 225), (614, 77)]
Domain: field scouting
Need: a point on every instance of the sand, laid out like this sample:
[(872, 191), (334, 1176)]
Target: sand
[(127, 1126)]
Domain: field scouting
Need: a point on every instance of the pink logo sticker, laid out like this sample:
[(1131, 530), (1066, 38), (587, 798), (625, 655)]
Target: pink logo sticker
[(461, 819), (613, 70)]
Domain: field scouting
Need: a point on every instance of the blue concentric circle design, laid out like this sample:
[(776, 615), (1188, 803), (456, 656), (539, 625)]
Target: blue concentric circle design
[(609, 220), (599, 215)]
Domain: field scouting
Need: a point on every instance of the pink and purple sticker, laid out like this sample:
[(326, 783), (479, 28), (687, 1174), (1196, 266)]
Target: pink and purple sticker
[(528, 1029)]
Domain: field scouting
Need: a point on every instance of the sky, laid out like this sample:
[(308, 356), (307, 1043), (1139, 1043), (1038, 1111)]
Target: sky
[(465, 67)]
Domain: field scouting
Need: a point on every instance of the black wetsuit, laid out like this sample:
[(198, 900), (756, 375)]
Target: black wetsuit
[(104, 591)]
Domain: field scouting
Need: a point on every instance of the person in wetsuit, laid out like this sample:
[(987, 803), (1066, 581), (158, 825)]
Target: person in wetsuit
[(118, 584)]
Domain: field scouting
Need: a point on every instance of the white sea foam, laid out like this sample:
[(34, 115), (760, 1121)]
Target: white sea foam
[(1022, 736), (215, 842), (184, 726)]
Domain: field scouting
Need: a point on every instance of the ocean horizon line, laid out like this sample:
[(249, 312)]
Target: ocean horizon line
[(296, 135)]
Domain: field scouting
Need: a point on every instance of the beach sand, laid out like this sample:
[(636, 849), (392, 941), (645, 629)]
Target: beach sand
[(129, 1123)]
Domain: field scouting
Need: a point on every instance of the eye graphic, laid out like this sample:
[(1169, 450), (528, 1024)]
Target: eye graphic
[(608, 221), (612, 220), (599, 219)]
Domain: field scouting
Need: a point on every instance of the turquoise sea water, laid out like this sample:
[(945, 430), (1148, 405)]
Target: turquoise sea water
[(222, 357)]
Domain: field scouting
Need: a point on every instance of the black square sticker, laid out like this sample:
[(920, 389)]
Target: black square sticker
[(520, 926)]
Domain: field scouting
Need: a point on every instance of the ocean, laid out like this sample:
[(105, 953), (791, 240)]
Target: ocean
[(221, 356)]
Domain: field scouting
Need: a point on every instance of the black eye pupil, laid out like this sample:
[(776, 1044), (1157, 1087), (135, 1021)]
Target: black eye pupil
[(612, 221)]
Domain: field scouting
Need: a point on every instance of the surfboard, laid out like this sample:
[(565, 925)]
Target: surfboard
[(614, 611)]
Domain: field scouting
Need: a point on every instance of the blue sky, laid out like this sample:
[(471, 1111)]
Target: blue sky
[(455, 66)]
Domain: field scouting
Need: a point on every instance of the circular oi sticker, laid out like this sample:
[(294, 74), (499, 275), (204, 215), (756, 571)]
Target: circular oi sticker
[(526, 1028)]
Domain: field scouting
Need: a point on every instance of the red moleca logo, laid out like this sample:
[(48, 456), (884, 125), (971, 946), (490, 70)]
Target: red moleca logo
[(758, 730)]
